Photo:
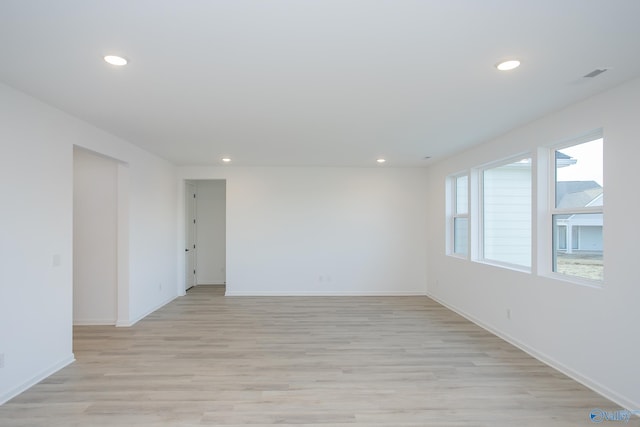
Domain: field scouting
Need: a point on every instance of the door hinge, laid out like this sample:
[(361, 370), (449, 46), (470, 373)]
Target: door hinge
[(194, 221), (194, 272), (194, 246), (194, 195)]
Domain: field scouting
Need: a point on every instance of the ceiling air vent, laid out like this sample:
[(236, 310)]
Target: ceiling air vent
[(595, 73)]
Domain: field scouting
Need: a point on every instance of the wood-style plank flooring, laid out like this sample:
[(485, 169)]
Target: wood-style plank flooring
[(206, 359)]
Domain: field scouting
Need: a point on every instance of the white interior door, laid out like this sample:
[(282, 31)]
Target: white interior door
[(190, 239)]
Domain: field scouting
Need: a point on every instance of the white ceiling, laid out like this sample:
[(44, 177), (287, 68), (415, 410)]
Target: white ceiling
[(326, 82)]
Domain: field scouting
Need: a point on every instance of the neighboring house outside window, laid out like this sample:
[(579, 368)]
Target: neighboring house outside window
[(579, 232), (577, 215)]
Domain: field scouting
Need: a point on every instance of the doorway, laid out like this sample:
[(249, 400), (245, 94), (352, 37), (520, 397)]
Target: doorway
[(100, 239), (205, 232)]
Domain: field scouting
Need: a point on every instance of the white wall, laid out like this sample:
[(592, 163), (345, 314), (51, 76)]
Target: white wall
[(327, 231), (210, 232), (95, 261), (36, 184), (588, 332)]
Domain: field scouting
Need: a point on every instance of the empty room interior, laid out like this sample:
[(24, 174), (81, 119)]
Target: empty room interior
[(337, 213)]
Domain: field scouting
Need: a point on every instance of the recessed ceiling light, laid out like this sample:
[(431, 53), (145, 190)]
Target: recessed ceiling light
[(115, 60), (381, 160), (226, 159), (508, 65)]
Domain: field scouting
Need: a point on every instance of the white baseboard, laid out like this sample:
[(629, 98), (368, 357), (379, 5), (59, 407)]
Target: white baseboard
[(550, 361), (94, 322), (37, 378), (322, 294), (128, 323)]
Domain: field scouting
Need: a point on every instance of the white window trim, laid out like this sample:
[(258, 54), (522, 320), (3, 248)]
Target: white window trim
[(546, 241), (452, 215)]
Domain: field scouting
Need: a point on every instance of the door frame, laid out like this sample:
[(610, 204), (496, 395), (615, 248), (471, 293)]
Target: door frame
[(190, 187), (182, 237)]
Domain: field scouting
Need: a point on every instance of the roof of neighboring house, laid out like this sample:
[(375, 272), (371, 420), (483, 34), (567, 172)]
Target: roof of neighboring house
[(564, 160), (560, 155), (572, 194)]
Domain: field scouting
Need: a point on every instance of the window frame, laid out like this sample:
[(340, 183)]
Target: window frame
[(453, 214), (480, 225), (553, 210)]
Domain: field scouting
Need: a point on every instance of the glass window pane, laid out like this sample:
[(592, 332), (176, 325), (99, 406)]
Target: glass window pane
[(462, 198), (577, 247), (461, 235), (579, 180), (507, 213)]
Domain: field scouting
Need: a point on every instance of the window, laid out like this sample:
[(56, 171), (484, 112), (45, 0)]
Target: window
[(459, 229), (494, 210), (506, 213), (577, 212)]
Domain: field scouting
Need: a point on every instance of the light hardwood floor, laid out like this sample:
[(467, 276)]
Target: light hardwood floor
[(206, 359)]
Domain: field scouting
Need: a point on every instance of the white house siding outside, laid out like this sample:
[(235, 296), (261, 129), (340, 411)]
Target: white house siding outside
[(507, 213)]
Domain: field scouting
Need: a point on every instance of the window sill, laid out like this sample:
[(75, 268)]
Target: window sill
[(459, 256), (580, 281), (507, 266)]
